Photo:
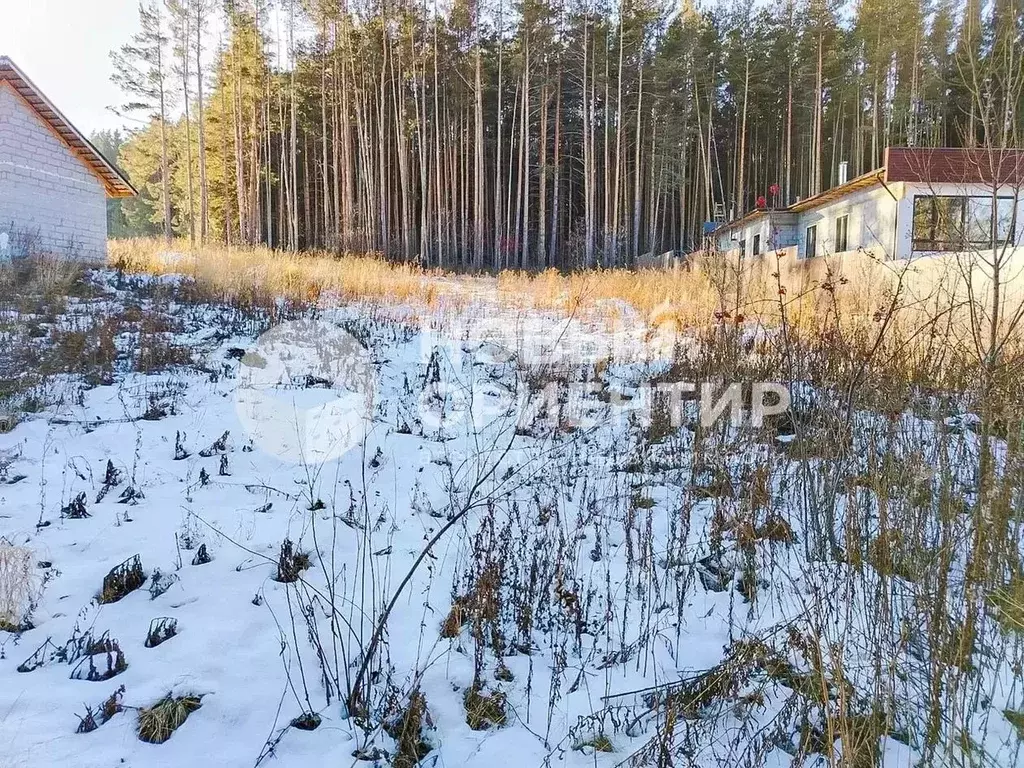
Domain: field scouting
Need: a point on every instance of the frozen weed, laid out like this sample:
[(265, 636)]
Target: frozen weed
[(290, 563), (108, 662), (76, 509), (122, 580), (19, 586), (110, 706), (160, 631), (408, 730)]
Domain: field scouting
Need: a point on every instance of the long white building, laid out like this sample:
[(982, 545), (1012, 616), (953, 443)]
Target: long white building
[(922, 202)]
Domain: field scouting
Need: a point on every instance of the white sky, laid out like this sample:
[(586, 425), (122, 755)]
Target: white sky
[(64, 47)]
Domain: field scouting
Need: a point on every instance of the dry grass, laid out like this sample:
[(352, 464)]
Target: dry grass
[(157, 723), (852, 301), (18, 585), (484, 710), (1016, 719), (596, 743), (694, 297), (42, 275), (246, 274), (1009, 602), (291, 562), (407, 731)]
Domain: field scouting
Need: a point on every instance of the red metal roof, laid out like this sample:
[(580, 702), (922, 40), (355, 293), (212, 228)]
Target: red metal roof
[(113, 180), (954, 166)]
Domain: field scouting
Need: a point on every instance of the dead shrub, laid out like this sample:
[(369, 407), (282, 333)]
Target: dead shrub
[(861, 737), (111, 478), (160, 582), (480, 606), (156, 354), (89, 350), (503, 673), (202, 556), (455, 620), (81, 643), (776, 529), (747, 534), (219, 446), (112, 705), (307, 721), (8, 421), (892, 555), (47, 275), (87, 722), (711, 482), (759, 489)]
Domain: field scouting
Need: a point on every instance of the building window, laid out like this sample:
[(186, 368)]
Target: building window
[(953, 223), (842, 234), (811, 242), (757, 245), (743, 247)]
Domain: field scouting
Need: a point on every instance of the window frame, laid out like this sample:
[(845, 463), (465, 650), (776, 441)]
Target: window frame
[(755, 248), (743, 246), (843, 244), (810, 241), (951, 241)]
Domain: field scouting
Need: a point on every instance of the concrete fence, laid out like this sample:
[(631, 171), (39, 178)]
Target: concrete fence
[(867, 280)]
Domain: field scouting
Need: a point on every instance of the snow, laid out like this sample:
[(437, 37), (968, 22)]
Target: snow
[(554, 508)]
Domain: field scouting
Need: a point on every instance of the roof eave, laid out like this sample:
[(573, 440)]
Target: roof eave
[(863, 181), (114, 182)]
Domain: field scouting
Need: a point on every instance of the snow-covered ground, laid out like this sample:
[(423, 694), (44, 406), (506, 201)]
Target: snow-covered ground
[(582, 561)]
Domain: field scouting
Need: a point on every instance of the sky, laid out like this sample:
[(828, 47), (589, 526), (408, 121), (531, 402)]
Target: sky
[(64, 48)]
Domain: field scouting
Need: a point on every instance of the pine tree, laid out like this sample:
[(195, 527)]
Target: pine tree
[(541, 133), (140, 70)]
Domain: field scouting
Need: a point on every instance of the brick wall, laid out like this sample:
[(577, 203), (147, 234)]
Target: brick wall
[(48, 197)]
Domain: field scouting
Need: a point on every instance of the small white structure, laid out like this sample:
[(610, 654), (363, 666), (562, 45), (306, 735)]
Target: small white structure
[(53, 182), (921, 202)]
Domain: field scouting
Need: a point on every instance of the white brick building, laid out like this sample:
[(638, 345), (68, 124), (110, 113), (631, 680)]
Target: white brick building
[(53, 182), (921, 202)]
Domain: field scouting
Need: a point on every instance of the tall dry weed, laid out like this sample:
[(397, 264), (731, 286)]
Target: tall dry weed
[(18, 585)]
